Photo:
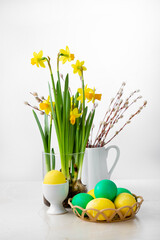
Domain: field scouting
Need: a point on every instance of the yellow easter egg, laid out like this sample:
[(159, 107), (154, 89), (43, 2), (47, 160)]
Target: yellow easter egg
[(125, 199), (54, 177), (91, 192), (99, 204)]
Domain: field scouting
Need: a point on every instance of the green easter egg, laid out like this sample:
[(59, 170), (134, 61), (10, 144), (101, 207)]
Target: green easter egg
[(81, 200), (122, 190), (105, 189)]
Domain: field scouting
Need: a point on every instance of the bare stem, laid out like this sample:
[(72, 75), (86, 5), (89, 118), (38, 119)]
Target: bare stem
[(115, 102), (129, 121), (34, 107), (36, 97), (114, 114)]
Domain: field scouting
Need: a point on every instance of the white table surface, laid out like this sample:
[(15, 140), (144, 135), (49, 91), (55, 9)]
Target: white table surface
[(23, 216)]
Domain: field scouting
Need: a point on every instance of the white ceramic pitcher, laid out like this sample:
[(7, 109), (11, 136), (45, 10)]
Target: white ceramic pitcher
[(95, 166)]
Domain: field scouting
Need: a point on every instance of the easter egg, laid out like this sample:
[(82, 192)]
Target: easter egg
[(54, 177), (100, 204), (122, 190), (105, 189), (125, 199), (81, 200), (91, 192)]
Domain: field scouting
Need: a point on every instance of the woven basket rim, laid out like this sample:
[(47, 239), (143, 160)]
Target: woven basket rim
[(117, 215)]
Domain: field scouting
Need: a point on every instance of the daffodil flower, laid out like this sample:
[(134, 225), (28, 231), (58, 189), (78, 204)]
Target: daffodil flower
[(78, 67), (89, 94), (38, 59), (46, 105), (73, 115), (65, 55), (92, 96), (80, 90)]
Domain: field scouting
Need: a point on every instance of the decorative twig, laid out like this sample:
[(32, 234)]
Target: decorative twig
[(34, 107), (129, 121), (116, 111), (114, 102), (37, 98)]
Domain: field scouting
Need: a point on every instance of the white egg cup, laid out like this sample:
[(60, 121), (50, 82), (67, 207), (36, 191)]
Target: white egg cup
[(56, 194)]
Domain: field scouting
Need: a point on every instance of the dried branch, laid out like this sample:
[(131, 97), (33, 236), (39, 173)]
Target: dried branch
[(116, 111), (35, 108), (37, 98), (114, 101)]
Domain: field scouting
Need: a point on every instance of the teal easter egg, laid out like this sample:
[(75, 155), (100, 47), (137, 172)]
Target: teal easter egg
[(81, 200), (122, 190), (105, 189)]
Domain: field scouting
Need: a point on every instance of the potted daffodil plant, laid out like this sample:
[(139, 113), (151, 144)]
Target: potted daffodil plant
[(70, 115)]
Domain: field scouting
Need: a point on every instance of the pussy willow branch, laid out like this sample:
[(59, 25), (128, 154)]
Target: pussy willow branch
[(124, 108), (127, 104), (117, 116), (37, 97), (39, 100), (111, 123), (114, 101), (117, 109), (129, 121), (34, 107)]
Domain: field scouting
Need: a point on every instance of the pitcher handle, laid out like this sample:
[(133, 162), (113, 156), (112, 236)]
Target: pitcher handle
[(116, 159)]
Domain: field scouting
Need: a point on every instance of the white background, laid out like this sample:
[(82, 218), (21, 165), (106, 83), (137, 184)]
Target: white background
[(119, 41)]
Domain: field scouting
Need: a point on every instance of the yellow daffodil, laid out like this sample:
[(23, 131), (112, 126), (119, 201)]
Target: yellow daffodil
[(73, 115), (38, 59), (78, 67), (46, 105), (86, 90), (89, 94), (92, 96), (65, 55)]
